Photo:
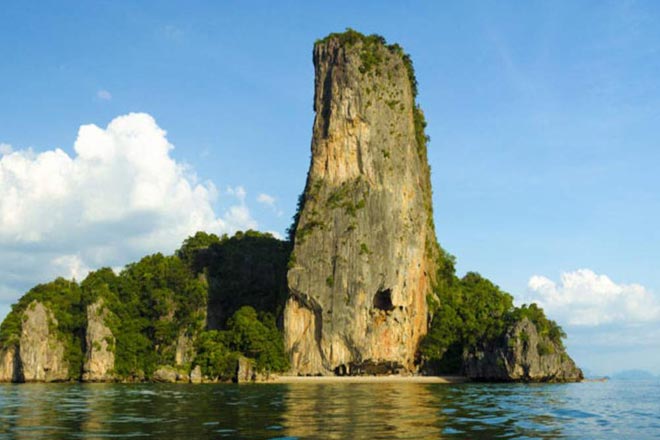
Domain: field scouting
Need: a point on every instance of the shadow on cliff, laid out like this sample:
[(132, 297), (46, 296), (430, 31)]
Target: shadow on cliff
[(248, 269)]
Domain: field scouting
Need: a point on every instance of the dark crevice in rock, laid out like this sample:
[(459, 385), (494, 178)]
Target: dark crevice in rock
[(383, 300)]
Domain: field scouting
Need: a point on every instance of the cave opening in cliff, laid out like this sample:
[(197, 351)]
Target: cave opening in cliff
[(383, 300)]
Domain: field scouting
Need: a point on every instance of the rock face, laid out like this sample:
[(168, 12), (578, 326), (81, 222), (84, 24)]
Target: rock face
[(364, 249), (9, 364), (244, 370), (185, 349), (99, 340), (166, 374), (196, 374), (41, 353), (522, 355)]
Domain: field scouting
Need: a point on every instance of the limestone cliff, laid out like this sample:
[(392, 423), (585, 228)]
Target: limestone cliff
[(522, 355), (100, 343), (9, 364), (41, 352), (364, 250)]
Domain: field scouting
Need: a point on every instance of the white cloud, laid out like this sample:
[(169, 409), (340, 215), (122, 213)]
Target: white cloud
[(104, 95), (270, 201), (71, 267), (121, 196), (266, 199), (5, 149), (276, 235), (238, 192), (585, 298)]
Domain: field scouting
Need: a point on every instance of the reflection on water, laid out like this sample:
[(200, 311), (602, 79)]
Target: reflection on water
[(363, 410), (373, 411)]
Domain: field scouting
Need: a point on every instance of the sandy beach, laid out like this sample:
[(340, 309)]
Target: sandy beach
[(368, 379)]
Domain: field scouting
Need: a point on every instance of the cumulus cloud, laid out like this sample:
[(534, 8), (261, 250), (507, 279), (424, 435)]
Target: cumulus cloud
[(238, 192), (585, 298), (5, 149), (104, 95), (266, 199), (119, 197), (269, 201)]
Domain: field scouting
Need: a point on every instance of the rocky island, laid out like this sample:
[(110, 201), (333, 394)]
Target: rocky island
[(361, 287)]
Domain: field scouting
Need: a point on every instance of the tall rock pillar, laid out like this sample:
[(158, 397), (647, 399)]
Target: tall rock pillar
[(364, 256)]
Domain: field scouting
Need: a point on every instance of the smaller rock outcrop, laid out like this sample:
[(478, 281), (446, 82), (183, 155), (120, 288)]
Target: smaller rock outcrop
[(521, 355), (166, 374), (41, 352), (244, 370), (9, 364), (99, 340), (185, 349), (196, 375)]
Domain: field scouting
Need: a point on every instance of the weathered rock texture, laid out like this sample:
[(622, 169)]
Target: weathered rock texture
[(244, 370), (185, 349), (10, 365), (196, 375), (522, 355), (364, 253), (100, 342), (41, 352)]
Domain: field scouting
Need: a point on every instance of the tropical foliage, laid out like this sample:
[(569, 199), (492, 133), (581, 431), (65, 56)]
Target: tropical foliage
[(471, 311), (153, 302)]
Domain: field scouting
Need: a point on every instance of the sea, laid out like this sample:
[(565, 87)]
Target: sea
[(589, 410)]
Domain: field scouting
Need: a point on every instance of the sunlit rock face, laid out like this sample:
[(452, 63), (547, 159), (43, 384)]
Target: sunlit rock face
[(364, 248), (521, 355), (41, 352), (99, 340), (9, 364)]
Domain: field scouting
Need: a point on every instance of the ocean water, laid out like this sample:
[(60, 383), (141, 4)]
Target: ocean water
[(592, 410)]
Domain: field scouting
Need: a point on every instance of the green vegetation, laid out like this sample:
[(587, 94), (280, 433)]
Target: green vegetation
[(471, 312), (392, 103), (151, 303), (369, 52), (214, 356), (63, 299), (308, 228), (310, 194), (248, 334), (370, 55), (546, 328), (364, 249), (341, 197), (248, 269), (191, 247)]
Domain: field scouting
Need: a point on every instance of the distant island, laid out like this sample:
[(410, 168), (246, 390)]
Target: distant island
[(360, 287), (633, 375)]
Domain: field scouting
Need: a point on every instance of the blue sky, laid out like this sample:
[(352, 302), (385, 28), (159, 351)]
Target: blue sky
[(543, 120)]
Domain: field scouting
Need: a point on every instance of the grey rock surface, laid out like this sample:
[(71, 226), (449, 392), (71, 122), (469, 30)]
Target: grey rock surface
[(244, 370), (522, 355), (10, 365), (196, 375), (41, 352), (364, 253), (185, 349), (99, 340), (165, 374)]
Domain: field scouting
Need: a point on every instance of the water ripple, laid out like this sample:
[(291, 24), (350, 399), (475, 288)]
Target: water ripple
[(609, 410)]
